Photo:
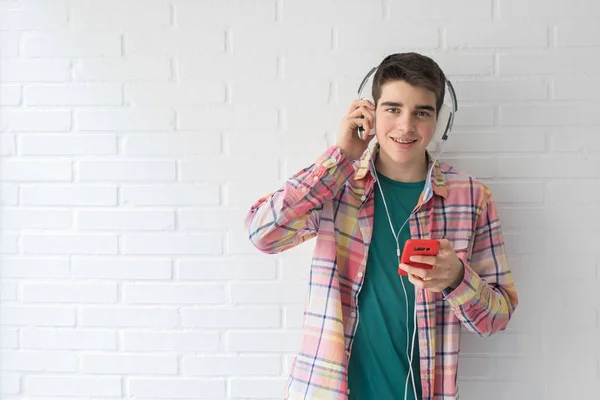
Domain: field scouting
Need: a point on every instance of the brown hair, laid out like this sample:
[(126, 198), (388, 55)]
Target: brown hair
[(416, 69)]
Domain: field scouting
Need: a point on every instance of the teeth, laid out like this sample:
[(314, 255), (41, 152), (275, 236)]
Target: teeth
[(403, 141)]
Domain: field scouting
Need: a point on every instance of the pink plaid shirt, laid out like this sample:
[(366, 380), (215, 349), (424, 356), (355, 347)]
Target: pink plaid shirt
[(333, 199)]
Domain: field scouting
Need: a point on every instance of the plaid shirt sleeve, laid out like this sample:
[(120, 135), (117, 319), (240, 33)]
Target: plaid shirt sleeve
[(290, 216), (486, 298)]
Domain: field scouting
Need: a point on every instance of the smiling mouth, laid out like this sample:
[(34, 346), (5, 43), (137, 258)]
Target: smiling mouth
[(403, 141)]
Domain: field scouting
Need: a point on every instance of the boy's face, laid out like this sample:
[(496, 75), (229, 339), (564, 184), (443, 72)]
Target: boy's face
[(405, 120)]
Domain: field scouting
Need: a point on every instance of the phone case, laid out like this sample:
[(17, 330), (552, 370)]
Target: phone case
[(418, 247)]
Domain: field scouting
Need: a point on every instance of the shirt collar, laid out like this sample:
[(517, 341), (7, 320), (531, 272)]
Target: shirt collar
[(438, 183)]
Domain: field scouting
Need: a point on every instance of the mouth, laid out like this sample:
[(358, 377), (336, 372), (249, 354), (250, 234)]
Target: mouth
[(403, 141)]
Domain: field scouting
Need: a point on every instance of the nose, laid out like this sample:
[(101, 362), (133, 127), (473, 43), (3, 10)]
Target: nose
[(405, 122)]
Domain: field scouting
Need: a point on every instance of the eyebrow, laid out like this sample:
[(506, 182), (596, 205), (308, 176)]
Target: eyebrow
[(418, 107)]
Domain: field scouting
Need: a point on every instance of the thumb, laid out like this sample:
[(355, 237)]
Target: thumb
[(445, 245)]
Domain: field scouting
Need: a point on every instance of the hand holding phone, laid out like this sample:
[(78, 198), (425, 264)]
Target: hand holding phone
[(418, 247)]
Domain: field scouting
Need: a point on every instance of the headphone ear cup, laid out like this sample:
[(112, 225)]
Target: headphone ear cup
[(443, 120)]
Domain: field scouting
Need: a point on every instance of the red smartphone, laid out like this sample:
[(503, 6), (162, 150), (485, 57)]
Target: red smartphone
[(418, 247)]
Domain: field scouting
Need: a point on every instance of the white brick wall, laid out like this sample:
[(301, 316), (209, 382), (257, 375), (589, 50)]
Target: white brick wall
[(130, 131)]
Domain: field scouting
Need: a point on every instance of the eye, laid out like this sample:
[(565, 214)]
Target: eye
[(393, 110), (424, 114)]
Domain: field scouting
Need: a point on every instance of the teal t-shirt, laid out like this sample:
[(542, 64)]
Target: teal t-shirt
[(378, 363)]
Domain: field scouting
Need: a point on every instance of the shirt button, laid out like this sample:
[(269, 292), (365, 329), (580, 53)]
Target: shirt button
[(353, 314), (348, 391), (363, 198), (315, 178), (360, 275), (303, 189)]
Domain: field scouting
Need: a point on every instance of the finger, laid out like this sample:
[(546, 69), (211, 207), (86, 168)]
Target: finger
[(419, 272), (360, 103), (433, 285), (431, 260), (445, 244)]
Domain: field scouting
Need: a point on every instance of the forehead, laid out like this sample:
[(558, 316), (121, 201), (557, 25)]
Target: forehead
[(405, 92)]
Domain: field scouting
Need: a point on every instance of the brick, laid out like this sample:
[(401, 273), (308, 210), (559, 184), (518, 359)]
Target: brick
[(571, 34), (267, 292), (175, 94), (39, 121), (125, 120), (81, 44), (123, 316), (23, 218), (9, 195), (498, 90), (68, 195), (173, 244), (120, 268), (568, 88), (196, 171), (495, 142), (9, 339), (231, 318), (69, 244), (551, 167), (127, 171), (69, 293), (68, 339), (147, 220), (486, 35), (232, 365), (226, 117), (172, 144), (257, 388), (275, 39), (542, 10), (171, 195), (230, 13), (439, 9), (170, 341), (9, 44), (222, 67), (406, 35), (174, 41), (177, 388), (34, 15), (572, 61), (210, 218), (34, 171), (263, 341), (120, 69), (34, 71), (10, 95), (73, 95), (173, 293), (39, 361), (67, 145), (517, 192), (7, 145), (218, 269), (9, 243), (120, 14), (549, 115), (129, 364), (73, 386), (20, 315)]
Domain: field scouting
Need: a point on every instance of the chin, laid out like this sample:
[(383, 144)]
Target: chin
[(402, 154)]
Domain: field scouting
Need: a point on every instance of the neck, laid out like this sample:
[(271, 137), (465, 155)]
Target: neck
[(411, 171)]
